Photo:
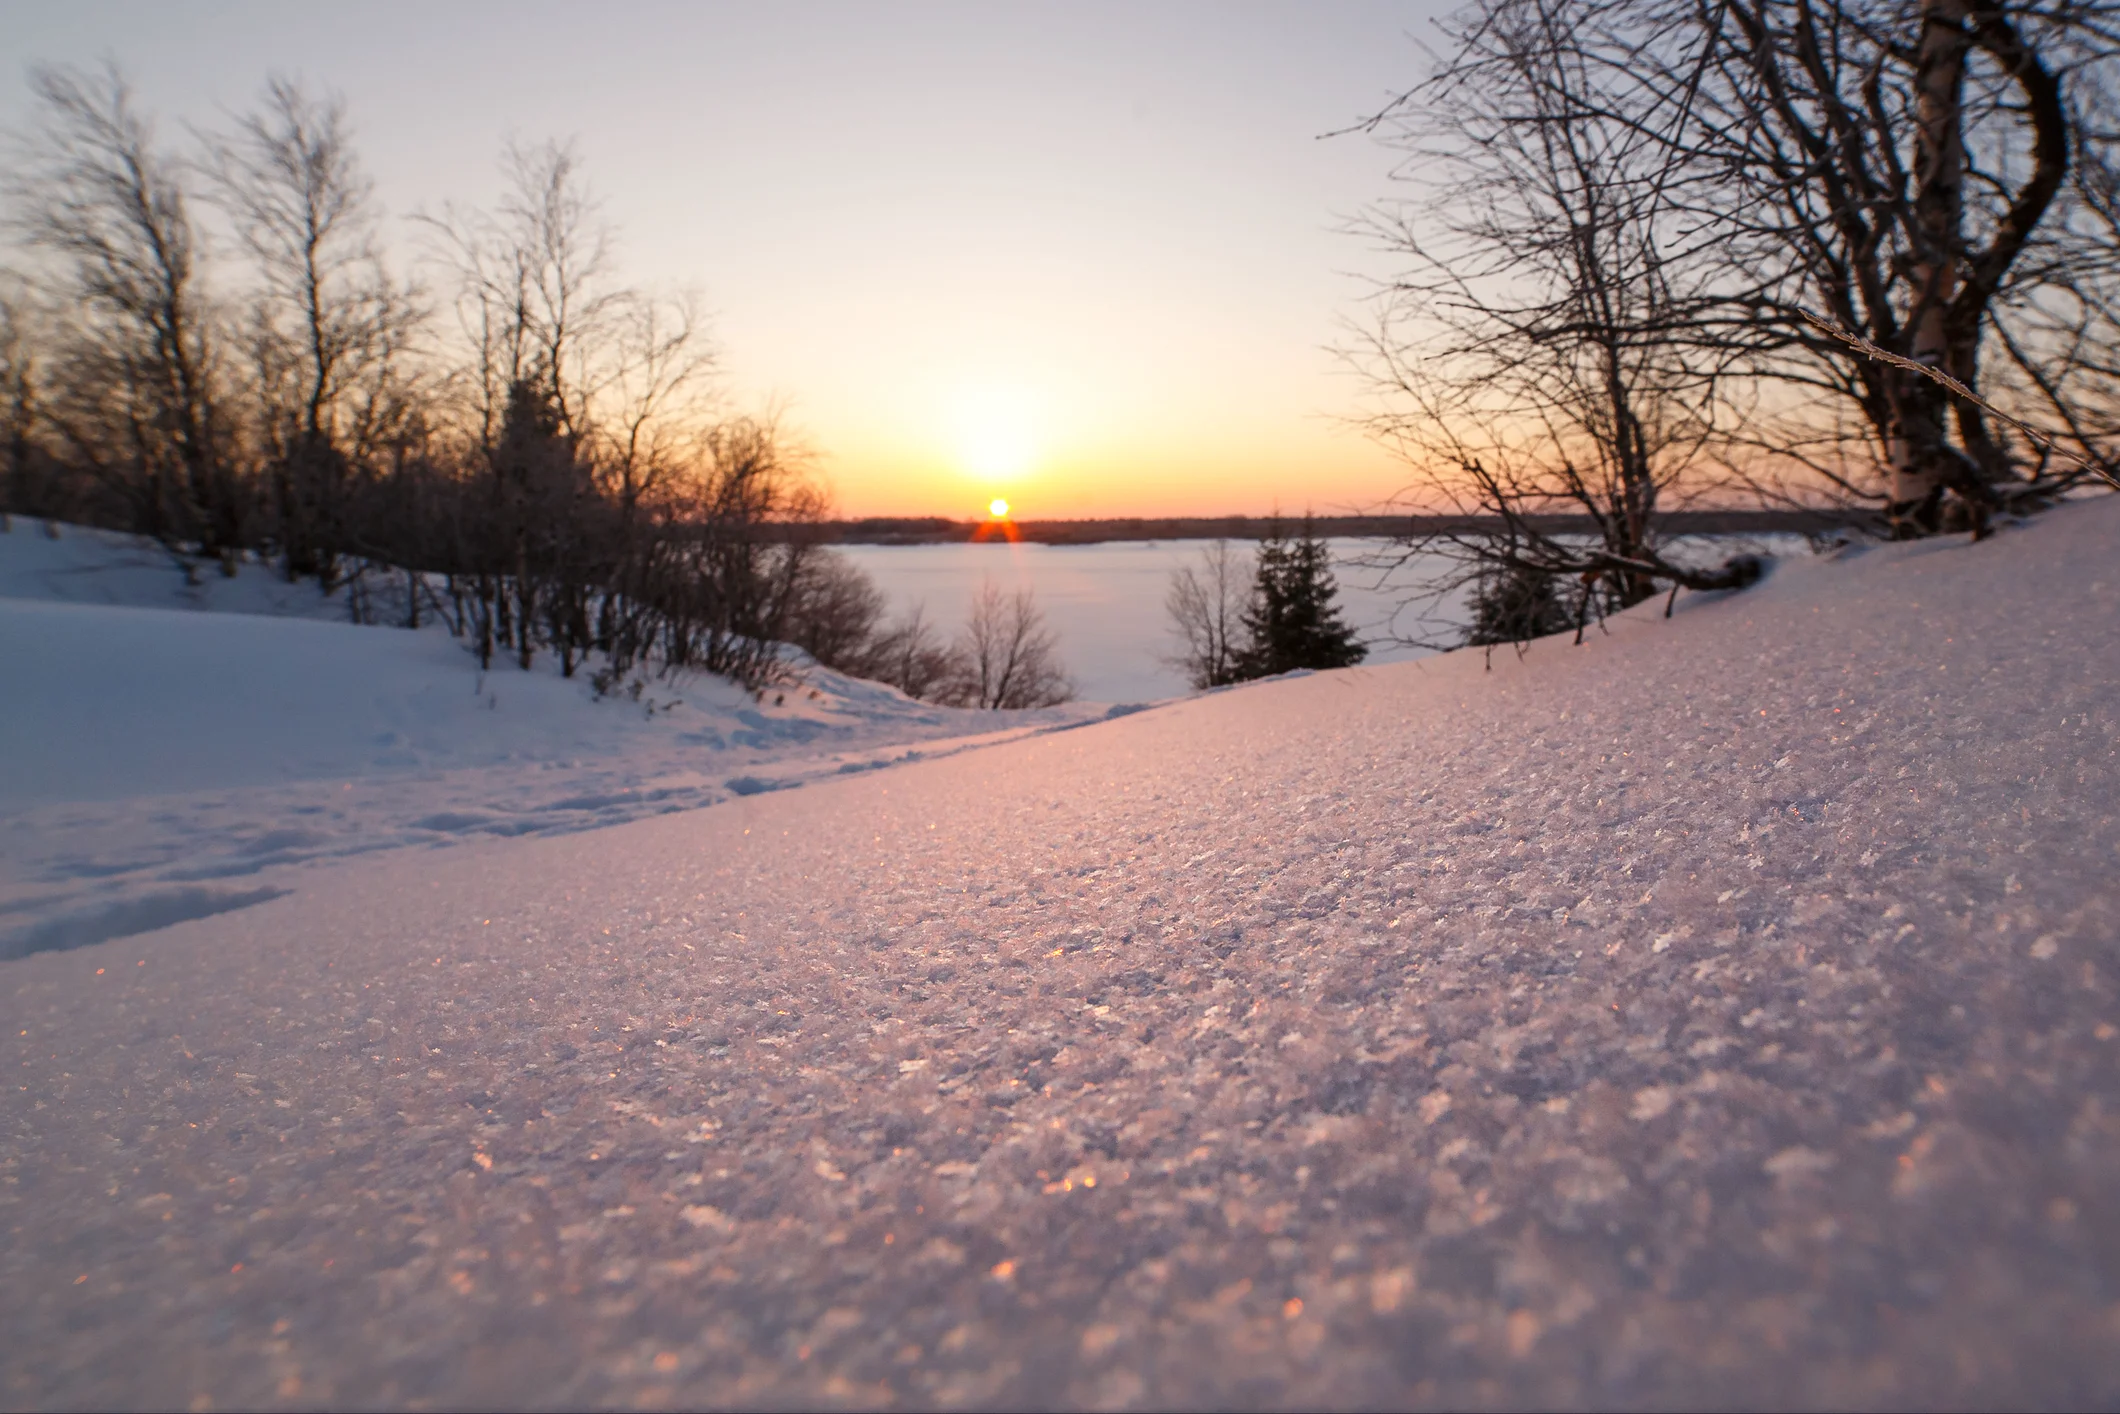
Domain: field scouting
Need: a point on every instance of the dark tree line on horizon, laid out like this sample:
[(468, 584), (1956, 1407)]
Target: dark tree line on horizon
[(210, 346)]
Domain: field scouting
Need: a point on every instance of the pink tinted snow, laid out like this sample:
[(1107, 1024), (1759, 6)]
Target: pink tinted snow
[(1720, 1012), (164, 760)]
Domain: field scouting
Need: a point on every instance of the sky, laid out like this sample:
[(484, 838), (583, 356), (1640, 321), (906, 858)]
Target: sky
[(1090, 258)]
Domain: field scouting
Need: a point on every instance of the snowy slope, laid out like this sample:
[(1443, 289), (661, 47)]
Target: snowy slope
[(1722, 1013), (78, 565), (152, 749)]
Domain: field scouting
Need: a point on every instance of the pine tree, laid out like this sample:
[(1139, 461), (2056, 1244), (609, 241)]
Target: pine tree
[(1292, 621), (1515, 604)]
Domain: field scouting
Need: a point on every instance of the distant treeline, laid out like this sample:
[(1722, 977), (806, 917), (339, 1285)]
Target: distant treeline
[(937, 530)]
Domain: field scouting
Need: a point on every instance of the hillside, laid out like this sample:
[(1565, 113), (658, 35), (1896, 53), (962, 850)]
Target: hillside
[(189, 743), (1721, 1013)]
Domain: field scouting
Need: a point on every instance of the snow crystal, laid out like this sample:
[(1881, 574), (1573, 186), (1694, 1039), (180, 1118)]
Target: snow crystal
[(1306, 1043)]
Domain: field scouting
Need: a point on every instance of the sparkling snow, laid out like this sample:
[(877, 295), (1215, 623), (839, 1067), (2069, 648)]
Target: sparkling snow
[(1722, 1012)]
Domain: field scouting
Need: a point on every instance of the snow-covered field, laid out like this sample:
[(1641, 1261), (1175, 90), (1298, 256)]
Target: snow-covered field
[(1724, 1013), (178, 747)]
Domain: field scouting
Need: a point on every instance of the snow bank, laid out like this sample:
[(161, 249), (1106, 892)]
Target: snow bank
[(79, 565), (1722, 1013), (153, 748)]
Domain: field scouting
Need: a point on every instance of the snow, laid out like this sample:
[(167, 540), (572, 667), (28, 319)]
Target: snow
[(1721, 1012), (161, 748), (74, 565), (1104, 602)]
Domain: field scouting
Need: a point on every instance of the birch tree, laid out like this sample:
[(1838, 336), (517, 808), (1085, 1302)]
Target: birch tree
[(136, 378), (331, 328)]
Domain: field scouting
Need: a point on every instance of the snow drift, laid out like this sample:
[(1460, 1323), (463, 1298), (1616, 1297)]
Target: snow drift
[(1720, 1013), (168, 728)]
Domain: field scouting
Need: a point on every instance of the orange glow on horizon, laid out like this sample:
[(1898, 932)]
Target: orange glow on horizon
[(1088, 473), (1029, 425), (997, 526)]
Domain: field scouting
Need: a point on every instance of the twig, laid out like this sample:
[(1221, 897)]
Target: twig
[(1864, 346)]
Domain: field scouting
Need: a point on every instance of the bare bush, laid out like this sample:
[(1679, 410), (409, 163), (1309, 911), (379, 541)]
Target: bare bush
[(1206, 604), (908, 654), (836, 613), (1005, 657)]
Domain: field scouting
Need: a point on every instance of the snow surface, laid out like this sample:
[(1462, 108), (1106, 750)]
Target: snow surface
[(1104, 602), (1722, 1013), (152, 750)]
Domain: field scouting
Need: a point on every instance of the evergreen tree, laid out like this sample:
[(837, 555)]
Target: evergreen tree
[(1292, 620), (1515, 604)]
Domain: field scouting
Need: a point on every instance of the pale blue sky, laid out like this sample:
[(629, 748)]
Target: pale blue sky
[(1112, 223)]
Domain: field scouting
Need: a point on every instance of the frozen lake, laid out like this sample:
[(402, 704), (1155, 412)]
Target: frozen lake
[(1105, 602)]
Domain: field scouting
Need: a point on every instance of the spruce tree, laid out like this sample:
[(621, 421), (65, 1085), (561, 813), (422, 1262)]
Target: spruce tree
[(1515, 604), (1293, 621)]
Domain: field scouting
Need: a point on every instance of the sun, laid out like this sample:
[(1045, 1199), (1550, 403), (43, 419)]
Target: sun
[(994, 430), (997, 508)]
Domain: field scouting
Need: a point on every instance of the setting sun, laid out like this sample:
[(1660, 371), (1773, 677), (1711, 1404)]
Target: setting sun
[(997, 508), (995, 434)]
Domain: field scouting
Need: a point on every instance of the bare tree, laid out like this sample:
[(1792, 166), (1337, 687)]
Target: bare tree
[(658, 396), (909, 656), (535, 296), (331, 328), (1898, 168), (569, 482), (1005, 657), (137, 396), (1206, 604), (1540, 357), (627, 380), (2057, 319), (1660, 237)]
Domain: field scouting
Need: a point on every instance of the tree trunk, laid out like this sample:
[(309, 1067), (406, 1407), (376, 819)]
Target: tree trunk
[(524, 605), (1922, 460)]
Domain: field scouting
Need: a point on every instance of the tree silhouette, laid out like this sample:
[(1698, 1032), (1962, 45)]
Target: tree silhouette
[(1515, 604), (1292, 620)]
